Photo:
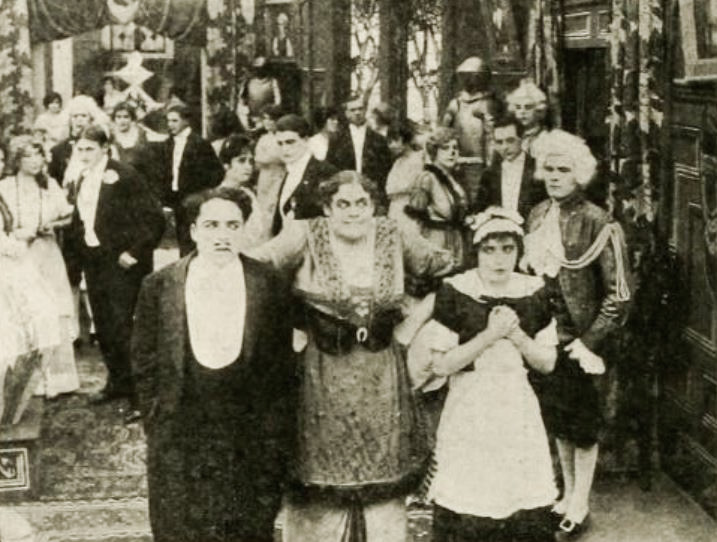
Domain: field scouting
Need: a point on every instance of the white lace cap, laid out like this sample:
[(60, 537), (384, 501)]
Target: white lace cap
[(495, 220)]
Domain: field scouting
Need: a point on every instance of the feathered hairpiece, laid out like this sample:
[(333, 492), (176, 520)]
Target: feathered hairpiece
[(495, 220)]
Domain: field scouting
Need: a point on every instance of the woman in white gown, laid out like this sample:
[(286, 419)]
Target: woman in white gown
[(37, 206), (490, 326), (29, 323)]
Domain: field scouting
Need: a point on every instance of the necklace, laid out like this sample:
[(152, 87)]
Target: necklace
[(18, 204)]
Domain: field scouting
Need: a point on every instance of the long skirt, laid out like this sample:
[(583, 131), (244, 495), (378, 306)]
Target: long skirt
[(59, 369), (361, 447), (384, 521)]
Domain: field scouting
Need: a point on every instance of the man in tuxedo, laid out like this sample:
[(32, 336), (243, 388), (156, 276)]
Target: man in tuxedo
[(240, 437), (359, 148), (189, 165), (119, 223), (298, 195), (510, 181), (81, 110)]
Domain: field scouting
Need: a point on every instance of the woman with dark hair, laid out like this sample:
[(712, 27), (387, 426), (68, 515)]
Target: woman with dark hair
[(437, 203), (237, 157), (408, 162), (225, 123), (53, 121), (38, 207), (326, 124), (109, 96), (490, 326), (127, 135), (360, 450)]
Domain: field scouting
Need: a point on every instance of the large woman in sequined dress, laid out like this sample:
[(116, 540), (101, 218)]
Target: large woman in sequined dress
[(360, 447)]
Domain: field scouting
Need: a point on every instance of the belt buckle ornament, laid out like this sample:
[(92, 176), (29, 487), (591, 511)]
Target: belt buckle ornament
[(361, 335)]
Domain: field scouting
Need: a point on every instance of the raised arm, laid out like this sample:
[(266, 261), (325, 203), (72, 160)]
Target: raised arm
[(286, 250), (423, 258)]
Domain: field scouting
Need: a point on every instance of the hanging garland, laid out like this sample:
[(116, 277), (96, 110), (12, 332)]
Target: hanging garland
[(181, 20)]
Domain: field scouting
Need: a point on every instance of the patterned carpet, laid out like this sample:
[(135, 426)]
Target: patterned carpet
[(94, 489), (93, 486)]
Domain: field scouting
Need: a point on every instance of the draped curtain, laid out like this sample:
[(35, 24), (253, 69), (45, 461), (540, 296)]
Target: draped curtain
[(544, 62), (639, 75), (638, 87), (217, 25), (15, 69), (181, 20), (637, 151)]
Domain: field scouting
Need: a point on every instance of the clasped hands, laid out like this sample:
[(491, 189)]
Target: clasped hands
[(503, 323)]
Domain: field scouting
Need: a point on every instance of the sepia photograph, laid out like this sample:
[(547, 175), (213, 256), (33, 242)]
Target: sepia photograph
[(358, 270)]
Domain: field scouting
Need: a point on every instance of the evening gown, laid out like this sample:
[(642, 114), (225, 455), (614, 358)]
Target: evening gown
[(360, 445), (29, 327), (31, 207)]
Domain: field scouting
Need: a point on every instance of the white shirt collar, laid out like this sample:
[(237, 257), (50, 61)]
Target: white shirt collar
[(97, 170), (184, 134), (205, 269), (518, 160), (357, 129), (299, 165)]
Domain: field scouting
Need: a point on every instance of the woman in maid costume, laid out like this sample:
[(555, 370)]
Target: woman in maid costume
[(490, 326)]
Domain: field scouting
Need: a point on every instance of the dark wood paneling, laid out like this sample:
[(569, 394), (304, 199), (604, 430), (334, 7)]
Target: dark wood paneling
[(688, 407)]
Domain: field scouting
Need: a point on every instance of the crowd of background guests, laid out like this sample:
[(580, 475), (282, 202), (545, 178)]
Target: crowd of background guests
[(313, 366)]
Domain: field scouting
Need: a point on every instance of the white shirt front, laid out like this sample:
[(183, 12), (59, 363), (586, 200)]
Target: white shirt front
[(294, 174), (358, 136), (88, 198), (511, 179), (216, 311), (180, 141)]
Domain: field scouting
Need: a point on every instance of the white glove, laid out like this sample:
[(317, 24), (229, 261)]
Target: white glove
[(589, 361)]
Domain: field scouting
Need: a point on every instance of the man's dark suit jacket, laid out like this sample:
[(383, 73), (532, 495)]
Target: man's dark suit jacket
[(490, 192), (304, 201), (59, 158), (199, 169), (129, 217), (376, 161), (159, 356)]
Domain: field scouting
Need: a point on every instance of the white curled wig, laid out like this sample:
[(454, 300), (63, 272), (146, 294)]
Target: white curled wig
[(527, 92), (82, 104), (562, 143), (86, 104)]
